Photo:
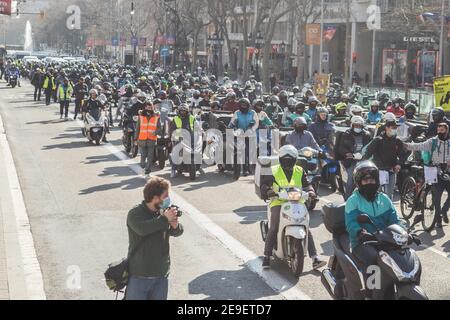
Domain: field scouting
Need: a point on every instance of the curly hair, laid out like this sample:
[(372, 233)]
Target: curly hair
[(155, 188)]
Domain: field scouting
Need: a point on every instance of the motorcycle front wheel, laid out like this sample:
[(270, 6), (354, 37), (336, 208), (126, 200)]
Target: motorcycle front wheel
[(297, 261)]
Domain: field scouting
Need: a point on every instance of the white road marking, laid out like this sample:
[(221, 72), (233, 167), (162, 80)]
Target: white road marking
[(443, 254), (30, 263)]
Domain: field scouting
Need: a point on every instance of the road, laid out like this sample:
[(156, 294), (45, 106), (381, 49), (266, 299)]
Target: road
[(77, 197)]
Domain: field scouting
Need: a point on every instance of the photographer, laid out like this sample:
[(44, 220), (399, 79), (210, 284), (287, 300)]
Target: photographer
[(150, 226)]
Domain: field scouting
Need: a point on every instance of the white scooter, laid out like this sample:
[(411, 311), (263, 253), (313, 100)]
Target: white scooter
[(95, 127), (292, 238)]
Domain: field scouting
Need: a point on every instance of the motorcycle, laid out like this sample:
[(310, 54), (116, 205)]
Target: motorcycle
[(162, 148), (400, 267), (309, 160), (128, 138), (95, 126), (193, 149), (237, 145), (292, 238), (13, 80), (330, 172)]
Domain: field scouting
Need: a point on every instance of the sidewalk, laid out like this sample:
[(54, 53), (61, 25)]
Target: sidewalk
[(4, 291)]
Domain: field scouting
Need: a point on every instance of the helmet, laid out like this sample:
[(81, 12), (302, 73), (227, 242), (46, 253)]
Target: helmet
[(162, 94), (438, 114), (341, 106), (245, 101), (411, 107), (357, 120), (275, 90), (212, 78), (259, 102), (300, 122), (283, 94), (322, 110), (345, 97), (296, 89), (174, 90), (93, 91), (366, 170), (390, 117), (143, 78), (288, 151), (292, 102), (313, 99), (183, 107), (375, 103), (356, 110), (275, 99), (231, 95)]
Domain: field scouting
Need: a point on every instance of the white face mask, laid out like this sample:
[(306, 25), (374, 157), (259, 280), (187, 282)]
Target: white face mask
[(392, 133), (357, 130)]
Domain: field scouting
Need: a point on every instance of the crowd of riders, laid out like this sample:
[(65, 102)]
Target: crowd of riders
[(373, 139)]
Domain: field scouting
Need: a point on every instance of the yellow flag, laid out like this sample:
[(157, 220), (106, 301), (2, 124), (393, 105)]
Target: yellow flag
[(442, 92)]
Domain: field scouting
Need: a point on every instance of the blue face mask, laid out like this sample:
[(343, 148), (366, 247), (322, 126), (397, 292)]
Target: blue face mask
[(166, 203)]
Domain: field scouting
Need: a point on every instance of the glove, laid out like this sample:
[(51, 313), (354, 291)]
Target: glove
[(322, 155), (414, 238), (271, 193), (365, 236)]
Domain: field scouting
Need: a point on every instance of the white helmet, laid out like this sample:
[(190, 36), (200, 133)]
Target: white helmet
[(292, 102), (93, 91), (355, 109), (141, 95), (390, 117), (357, 120), (288, 151)]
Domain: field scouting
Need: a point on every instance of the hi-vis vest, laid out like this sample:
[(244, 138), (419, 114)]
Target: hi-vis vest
[(148, 127), (282, 182), (46, 83), (179, 122)]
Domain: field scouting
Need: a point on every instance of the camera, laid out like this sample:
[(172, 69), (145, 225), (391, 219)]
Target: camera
[(179, 212)]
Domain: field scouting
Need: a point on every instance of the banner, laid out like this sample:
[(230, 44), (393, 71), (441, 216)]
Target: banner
[(5, 7), (442, 93), (329, 31), (321, 86), (313, 34), (142, 42)]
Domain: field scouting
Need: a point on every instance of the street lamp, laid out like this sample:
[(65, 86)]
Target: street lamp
[(132, 32), (259, 42)]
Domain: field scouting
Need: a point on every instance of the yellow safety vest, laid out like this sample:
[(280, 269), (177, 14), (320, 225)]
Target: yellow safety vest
[(282, 182), (179, 122)]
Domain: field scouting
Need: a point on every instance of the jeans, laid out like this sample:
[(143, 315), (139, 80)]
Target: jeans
[(389, 188), (64, 108), (147, 149), (349, 182), (77, 107), (48, 97), (272, 235), (147, 289), (37, 93), (437, 190)]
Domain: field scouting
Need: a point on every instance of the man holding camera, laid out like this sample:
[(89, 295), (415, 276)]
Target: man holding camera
[(150, 226)]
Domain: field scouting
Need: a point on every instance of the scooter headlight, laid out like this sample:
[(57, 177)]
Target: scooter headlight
[(400, 238), (401, 275)]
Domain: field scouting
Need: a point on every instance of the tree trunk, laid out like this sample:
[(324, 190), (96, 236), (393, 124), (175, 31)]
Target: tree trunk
[(194, 53), (267, 54), (348, 40), (300, 54)]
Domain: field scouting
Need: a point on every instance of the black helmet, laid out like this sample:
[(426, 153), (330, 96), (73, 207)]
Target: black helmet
[(245, 101), (283, 94), (275, 90), (366, 170), (438, 114), (411, 107)]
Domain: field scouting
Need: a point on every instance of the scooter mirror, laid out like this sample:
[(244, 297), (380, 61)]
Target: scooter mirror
[(364, 219)]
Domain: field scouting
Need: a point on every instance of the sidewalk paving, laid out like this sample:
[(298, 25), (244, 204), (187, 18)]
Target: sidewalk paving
[(4, 291)]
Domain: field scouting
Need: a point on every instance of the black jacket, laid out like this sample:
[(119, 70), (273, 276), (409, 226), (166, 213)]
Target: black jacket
[(346, 144), (80, 91), (386, 152)]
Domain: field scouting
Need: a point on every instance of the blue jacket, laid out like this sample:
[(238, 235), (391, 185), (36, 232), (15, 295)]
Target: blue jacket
[(374, 118), (244, 121), (312, 113), (381, 211)]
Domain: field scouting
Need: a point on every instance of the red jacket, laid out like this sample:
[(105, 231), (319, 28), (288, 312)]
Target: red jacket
[(399, 112), (232, 106)]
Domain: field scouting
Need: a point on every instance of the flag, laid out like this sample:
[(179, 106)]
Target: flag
[(329, 32)]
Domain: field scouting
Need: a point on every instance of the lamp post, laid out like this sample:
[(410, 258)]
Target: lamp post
[(215, 43), (283, 51), (259, 42), (72, 27), (132, 32)]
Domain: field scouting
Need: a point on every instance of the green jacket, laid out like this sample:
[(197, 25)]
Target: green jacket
[(152, 259)]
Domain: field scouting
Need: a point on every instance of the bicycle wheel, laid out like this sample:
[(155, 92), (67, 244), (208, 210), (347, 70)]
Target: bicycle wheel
[(407, 198), (428, 211)]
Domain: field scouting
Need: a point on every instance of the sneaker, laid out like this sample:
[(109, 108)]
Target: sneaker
[(266, 263), (173, 173), (439, 225), (445, 218), (61, 117), (105, 140), (318, 263)]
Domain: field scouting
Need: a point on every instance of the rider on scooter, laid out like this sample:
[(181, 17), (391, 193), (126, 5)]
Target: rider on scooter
[(368, 200), (322, 129), (287, 173)]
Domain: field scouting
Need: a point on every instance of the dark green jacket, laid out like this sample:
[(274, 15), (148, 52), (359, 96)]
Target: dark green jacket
[(152, 259)]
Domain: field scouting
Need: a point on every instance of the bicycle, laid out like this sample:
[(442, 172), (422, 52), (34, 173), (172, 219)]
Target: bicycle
[(416, 195)]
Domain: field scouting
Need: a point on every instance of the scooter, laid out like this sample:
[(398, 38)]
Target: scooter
[(400, 268), (13, 80), (95, 127), (309, 160), (237, 145), (292, 238), (191, 148), (162, 148), (330, 170), (128, 137)]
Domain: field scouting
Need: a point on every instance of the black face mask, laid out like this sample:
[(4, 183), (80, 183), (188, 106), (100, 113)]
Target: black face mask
[(184, 114), (443, 136), (369, 191), (244, 110), (300, 129), (288, 163)]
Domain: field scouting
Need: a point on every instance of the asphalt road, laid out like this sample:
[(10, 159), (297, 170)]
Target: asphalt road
[(77, 197)]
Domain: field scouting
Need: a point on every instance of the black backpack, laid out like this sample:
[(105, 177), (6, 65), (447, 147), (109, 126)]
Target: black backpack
[(337, 146)]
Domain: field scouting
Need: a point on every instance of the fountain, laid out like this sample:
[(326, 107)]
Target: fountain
[(28, 46)]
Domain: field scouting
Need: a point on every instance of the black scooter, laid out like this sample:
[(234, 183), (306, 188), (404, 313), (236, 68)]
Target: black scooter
[(400, 267)]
